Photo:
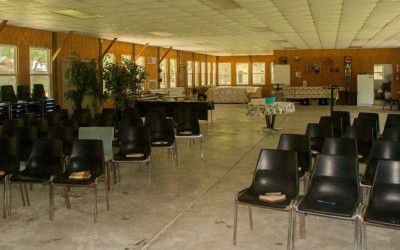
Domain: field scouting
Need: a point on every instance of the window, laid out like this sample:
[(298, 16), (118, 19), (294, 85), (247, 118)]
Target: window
[(108, 58), (125, 57), (163, 73), (208, 73), (214, 74), (8, 65), (40, 68), (196, 73), (224, 73), (172, 73), (203, 74), (189, 73), (378, 72), (242, 73), (258, 73), (140, 61)]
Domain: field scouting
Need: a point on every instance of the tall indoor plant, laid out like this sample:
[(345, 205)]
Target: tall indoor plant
[(82, 75), (124, 82)]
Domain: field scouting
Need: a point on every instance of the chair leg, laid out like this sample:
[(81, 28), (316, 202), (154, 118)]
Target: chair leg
[(148, 163), (235, 222), (291, 228), (22, 194), (107, 198), (95, 203), (201, 146), (302, 225), (250, 217), (5, 200), (51, 200), (66, 196), (27, 195)]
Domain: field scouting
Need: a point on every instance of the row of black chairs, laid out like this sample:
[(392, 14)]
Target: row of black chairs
[(45, 165), (333, 190)]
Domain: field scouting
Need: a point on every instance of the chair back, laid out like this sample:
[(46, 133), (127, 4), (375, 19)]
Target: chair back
[(391, 134), (134, 140), (10, 125), (65, 134), (276, 171), (364, 137), (26, 136), (340, 146), (38, 91), (187, 122), (23, 93), (82, 116), (300, 144), (53, 118), (46, 158), (384, 200), (154, 114), (8, 94), (334, 188), (87, 155), (105, 134), (317, 133), (345, 115), (162, 130), (370, 116), (42, 126), (389, 150), (9, 161), (336, 122), (392, 120)]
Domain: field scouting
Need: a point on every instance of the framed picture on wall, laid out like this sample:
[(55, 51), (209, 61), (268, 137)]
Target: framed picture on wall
[(283, 60), (314, 68)]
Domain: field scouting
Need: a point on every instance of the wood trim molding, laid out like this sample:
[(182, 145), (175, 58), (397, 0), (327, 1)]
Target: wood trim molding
[(62, 46), (108, 48)]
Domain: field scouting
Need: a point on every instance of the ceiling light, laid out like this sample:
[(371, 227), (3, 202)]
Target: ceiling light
[(221, 4), (76, 14), (161, 33)]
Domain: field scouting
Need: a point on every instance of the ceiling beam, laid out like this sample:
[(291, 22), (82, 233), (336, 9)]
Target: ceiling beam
[(141, 51), (3, 24), (165, 54), (62, 46), (108, 48)]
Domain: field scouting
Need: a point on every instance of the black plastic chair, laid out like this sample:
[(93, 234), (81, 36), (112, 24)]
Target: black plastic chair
[(391, 134), (384, 200), (317, 133), (392, 120), (365, 116), (162, 135), (64, 134), (276, 171), (336, 123), (345, 115), (45, 160), (54, 119), (38, 92), (24, 93), (8, 94), (364, 137), (9, 163), (10, 125), (82, 116), (333, 192), (42, 127), (26, 136), (87, 155), (388, 150), (134, 147), (340, 146), (187, 126), (301, 145)]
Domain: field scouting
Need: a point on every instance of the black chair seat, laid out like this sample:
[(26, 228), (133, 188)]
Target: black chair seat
[(21, 177), (63, 178), (247, 196)]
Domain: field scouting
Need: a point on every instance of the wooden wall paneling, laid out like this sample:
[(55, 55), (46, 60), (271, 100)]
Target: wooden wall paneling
[(2, 25)]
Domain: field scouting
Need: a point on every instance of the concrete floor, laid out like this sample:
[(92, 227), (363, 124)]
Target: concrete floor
[(189, 209)]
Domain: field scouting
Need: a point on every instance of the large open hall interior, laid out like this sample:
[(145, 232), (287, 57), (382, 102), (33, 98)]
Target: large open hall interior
[(192, 208), (199, 124)]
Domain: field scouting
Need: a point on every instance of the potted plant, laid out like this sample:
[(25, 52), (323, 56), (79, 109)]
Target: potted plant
[(83, 77), (124, 82)]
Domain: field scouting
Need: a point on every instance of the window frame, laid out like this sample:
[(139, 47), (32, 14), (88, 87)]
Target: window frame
[(222, 75), (11, 78), (244, 76), (254, 74)]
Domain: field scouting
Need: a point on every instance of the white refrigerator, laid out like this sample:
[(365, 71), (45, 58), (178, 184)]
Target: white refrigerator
[(365, 90)]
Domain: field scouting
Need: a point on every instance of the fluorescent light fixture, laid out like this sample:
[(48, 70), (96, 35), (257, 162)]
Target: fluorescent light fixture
[(221, 4), (76, 14), (161, 33)]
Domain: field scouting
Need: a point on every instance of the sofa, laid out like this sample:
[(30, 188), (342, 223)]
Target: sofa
[(233, 94)]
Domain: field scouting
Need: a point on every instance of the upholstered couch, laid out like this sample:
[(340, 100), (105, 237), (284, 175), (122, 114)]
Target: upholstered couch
[(233, 94)]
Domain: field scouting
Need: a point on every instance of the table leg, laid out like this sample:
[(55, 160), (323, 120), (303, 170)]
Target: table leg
[(270, 120)]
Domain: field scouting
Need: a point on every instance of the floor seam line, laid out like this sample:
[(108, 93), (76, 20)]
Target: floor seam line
[(172, 222)]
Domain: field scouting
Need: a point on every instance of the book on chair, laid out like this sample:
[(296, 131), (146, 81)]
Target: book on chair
[(272, 197), (83, 175)]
